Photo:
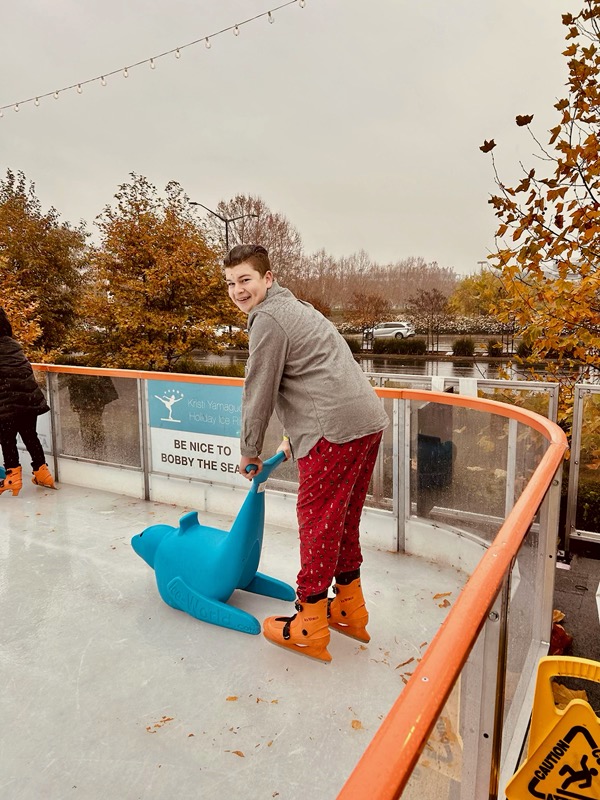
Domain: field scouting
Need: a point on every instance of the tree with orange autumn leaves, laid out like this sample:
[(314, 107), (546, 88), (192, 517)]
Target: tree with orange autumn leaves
[(41, 261), (548, 239), (155, 289)]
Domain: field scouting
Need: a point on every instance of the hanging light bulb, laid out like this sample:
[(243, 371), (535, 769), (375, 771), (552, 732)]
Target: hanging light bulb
[(271, 18), (79, 89), (236, 31), (103, 80), (16, 107), (56, 95), (125, 73), (152, 64), (177, 53), (207, 43), (37, 101)]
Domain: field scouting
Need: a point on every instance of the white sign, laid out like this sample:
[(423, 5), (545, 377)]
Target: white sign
[(202, 456)]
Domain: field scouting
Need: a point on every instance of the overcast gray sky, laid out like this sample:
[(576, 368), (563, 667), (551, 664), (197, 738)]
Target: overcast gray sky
[(359, 120)]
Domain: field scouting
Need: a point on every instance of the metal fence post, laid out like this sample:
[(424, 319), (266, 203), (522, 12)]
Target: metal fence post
[(144, 434), (572, 491)]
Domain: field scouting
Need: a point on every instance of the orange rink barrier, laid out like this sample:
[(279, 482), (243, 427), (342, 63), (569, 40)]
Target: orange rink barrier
[(386, 765)]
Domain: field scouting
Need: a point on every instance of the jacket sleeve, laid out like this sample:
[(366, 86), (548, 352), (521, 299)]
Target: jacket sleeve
[(264, 370)]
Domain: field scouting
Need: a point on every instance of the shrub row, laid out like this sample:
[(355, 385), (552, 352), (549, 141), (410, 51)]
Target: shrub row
[(460, 326), (494, 348), (189, 366), (409, 346), (353, 344), (463, 347)]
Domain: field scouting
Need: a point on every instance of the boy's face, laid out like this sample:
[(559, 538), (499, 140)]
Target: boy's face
[(246, 286)]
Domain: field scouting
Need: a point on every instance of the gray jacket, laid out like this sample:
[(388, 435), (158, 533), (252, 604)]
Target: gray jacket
[(302, 368)]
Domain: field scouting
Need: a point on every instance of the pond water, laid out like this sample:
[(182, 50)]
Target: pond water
[(482, 369)]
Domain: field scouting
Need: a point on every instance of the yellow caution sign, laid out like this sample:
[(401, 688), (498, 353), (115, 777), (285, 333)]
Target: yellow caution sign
[(545, 714), (566, 765)]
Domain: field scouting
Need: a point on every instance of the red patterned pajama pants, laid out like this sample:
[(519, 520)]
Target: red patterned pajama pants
[(334, 479)]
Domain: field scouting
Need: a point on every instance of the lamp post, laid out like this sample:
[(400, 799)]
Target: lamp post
[(226, 220)]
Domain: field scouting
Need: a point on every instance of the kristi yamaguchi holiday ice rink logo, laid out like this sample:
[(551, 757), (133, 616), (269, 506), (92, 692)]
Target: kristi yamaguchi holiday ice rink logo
[(168, 399)]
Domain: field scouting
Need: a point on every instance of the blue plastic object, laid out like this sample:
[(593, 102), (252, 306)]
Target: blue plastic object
[(198, 568), (2, 473)]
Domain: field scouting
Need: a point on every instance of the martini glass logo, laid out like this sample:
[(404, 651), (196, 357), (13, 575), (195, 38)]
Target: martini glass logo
[(168, 399)]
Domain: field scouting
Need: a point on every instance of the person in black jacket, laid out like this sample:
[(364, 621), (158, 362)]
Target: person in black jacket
[(21, 402)]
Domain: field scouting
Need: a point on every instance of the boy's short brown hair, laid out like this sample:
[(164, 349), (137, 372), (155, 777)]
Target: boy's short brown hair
[(254, 253)]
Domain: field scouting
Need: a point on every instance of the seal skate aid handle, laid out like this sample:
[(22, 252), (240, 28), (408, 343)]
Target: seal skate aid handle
[(267, 468)]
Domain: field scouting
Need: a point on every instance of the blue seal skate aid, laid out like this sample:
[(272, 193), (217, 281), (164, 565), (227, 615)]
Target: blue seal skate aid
[(2, 473), (198, 568)]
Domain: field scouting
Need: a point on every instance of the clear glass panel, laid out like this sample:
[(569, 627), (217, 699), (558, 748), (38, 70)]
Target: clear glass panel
[(447, 767), (530, 449), (588, 490), (406, 382), (458, 466), (523, 647), (437, 775), (99, 418), (537, 400), (286, 477), (44, 421), (386, 455)]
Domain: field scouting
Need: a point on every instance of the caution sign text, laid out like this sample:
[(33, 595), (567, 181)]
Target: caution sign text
[(566, 766)]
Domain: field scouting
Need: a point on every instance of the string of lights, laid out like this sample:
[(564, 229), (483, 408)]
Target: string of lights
[(151, 61)]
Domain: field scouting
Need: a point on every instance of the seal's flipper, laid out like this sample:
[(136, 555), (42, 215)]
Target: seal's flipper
[(270, 587), (209, 610)]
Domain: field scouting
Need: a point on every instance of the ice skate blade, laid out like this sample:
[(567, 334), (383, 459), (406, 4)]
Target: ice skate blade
[(359, 635), (324, 656)]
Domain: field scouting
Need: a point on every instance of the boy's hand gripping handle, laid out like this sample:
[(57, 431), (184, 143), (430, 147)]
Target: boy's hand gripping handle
[(267, 468)]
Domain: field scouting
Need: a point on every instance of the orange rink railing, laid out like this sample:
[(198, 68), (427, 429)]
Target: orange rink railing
[(386, 765)]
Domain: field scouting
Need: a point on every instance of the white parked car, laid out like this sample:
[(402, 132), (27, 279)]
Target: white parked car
[(227, 330), (397, 330)]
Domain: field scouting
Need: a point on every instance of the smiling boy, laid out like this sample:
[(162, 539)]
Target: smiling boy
[(300, 367)]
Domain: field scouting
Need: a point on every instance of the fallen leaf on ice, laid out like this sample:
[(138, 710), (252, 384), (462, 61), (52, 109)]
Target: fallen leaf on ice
[(439, 595), (163, 721), (357, 724), (231, 697)]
